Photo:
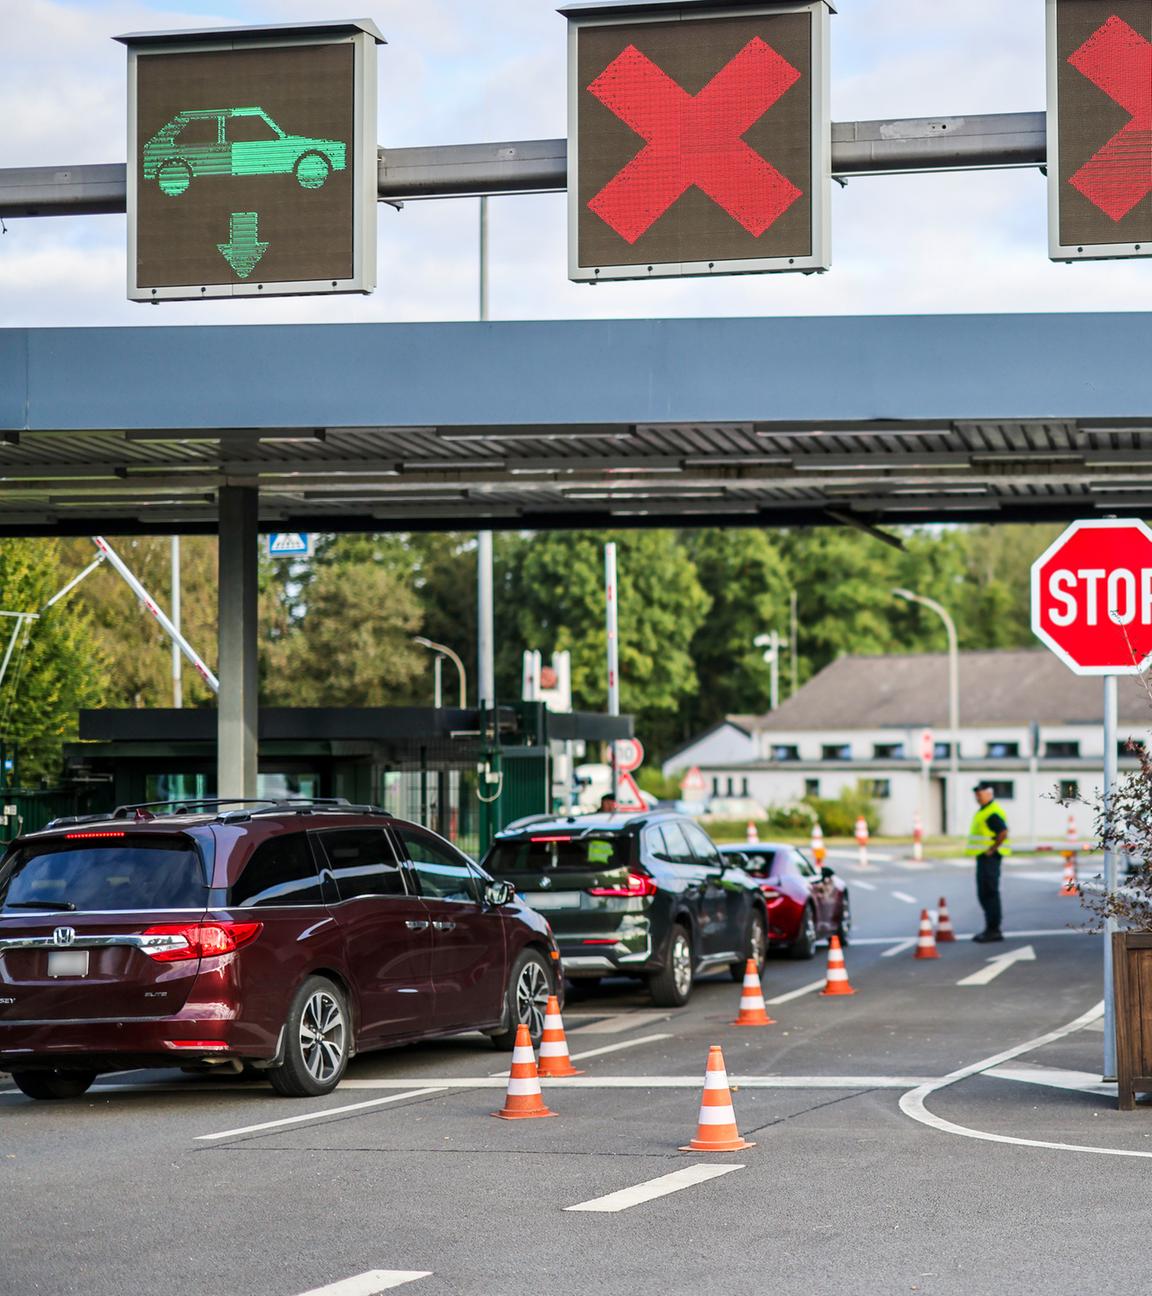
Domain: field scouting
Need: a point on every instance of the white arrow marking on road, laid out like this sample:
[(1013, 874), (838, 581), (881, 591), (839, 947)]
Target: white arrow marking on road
[(370, 1284), (1001, 962)]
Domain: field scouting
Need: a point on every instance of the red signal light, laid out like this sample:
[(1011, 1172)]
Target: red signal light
[(639, 884), (200, 940), (85, 836)]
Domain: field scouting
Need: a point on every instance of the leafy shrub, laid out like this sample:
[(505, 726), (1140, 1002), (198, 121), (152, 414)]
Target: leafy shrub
[(838, 817)]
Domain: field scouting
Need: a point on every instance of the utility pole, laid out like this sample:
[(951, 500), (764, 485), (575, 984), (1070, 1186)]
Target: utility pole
[(613, 629), (485, 616), (794, 647), (177, 655)]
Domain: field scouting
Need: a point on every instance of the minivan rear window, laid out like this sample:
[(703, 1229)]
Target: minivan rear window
[(120, 873), (575, 853)]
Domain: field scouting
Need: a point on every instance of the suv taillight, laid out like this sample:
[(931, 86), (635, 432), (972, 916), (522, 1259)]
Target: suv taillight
[(177, 942), (639, 884)]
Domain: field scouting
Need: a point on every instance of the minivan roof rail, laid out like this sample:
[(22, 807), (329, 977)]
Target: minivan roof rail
[(187, 805)]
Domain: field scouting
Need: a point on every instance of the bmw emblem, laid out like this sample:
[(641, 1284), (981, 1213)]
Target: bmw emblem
[(545, 883)]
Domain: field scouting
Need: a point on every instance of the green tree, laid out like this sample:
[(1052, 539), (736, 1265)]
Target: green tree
[(57, 666), (744, 574), (559, 584)]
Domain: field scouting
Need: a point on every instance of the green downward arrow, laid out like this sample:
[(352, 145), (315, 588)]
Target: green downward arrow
[(243, 249)]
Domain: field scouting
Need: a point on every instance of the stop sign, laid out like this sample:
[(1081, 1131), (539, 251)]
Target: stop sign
[(1092, 597)]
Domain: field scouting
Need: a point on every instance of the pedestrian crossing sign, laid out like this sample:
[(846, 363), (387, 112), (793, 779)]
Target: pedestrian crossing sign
[(289, 544)]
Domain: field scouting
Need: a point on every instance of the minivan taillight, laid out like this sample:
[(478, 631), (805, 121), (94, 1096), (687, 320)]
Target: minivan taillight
[(177, 942), (639, 884)]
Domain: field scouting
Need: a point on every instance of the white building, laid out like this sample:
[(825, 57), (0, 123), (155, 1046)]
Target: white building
[(1027, 725)]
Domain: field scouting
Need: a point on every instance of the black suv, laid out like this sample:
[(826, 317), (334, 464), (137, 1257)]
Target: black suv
[(645, 895)]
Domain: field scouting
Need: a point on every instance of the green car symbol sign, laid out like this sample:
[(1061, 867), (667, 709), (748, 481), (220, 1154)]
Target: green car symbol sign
[(235, 142)]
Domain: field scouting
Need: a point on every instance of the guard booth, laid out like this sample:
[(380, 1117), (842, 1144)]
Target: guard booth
[(462, 772)]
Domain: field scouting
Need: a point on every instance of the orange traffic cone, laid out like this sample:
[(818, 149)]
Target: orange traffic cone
[(716, 1129), (752, 836), (837, 983), (752, 1010), (1069, 887), (944, 932), (554, 1059), (926, 942), (524, 1098)]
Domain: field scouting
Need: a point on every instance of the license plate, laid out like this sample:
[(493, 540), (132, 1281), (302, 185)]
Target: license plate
[(552, 900), (68, 963)]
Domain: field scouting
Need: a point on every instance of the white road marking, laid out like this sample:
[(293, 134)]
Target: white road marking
[(371, 1283), (796, 994), (677, 1181), (913, 1103), (999, 963), (617, 1022), (864, 886), (1031, 1073), (903, 895), (322, 1115), (1010, 935), (615, 1048), (444, 1084), (901, 947), (606, 1048)]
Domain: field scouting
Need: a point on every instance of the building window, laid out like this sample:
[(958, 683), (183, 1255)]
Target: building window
[(1131, 748), (1000, 750), (888, 751), (836, 752), (715, 786), (1002, 791), (880, 789), (1061, 750), (731, 784), (942, 751), (785, 753), (744, 786), (811, 787), (1069, 790)]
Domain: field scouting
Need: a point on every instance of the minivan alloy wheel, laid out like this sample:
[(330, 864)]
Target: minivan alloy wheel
[(682, 965), (532, 991), (323, 1035)]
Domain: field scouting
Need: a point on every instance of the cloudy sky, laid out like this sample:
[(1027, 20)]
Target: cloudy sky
[(458, 71)]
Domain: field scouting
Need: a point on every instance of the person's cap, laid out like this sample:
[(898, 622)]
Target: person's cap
[(983, 787)]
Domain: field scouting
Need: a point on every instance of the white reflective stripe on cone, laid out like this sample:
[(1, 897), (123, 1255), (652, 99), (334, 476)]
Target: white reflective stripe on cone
[(837, 974), (553, 1023), (750, 1001), (557, 1049), (517, 1088), (522, 1056), (717, 1115), (716, 1080)]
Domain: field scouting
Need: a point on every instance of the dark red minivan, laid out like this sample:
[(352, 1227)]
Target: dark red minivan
[(283, 936)]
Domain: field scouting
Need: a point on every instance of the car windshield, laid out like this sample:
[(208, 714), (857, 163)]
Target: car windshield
[(579, 852), (760, 863), (95, 874)]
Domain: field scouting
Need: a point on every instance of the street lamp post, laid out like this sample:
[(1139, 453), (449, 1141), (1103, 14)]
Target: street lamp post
[(953, 699), (442, 650)]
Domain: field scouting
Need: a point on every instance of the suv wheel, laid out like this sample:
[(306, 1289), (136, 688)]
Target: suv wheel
[(53, 1084), (525, 1000), (755, 945), (317, 1042), (804, 946), (671, 986)]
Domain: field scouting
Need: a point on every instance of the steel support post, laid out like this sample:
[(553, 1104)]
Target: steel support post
[(238, 630), (1111, 759), (612, 628)]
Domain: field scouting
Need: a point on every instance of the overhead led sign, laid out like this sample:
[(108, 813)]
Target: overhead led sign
[(252, 161), (1099, 128), (699, 138)]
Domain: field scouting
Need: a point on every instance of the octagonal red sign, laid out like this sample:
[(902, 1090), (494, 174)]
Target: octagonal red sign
[(1092, 597)]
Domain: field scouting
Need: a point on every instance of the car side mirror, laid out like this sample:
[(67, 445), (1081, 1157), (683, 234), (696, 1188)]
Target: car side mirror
[(826, 874), (498, 894)]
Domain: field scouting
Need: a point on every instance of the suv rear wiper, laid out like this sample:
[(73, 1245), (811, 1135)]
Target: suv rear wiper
[(56, 906)]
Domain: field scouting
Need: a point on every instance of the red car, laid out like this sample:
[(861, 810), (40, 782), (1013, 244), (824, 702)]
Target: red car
[(805, 904), (284, 937)]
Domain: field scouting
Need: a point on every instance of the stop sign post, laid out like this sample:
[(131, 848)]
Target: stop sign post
[(1092, 605)]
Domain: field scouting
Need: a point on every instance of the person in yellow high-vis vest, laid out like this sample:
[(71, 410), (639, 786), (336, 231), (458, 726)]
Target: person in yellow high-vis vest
[(988, 843)]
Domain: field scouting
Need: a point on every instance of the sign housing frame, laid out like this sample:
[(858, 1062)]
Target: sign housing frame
[(581, 16), (363, 36), (1057, 249)]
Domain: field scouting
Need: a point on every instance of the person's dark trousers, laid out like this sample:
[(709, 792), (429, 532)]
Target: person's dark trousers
[(988, 890)]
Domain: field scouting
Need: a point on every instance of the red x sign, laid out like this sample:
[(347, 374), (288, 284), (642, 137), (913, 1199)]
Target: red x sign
[(1119, 60), (694, 140)]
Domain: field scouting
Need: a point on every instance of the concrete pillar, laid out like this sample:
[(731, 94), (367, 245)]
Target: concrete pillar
[(239, 610)]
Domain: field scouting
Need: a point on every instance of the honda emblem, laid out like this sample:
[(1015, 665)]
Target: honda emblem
[(64, 936)]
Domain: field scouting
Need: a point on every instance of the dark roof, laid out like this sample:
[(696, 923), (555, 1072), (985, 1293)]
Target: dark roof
[(1010, 687), (261, 31)]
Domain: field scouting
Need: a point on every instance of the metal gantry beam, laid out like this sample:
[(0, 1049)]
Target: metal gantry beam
[(899, 146)]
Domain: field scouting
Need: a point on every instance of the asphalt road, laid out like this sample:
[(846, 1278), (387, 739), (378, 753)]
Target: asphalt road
[(870, 1173)]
